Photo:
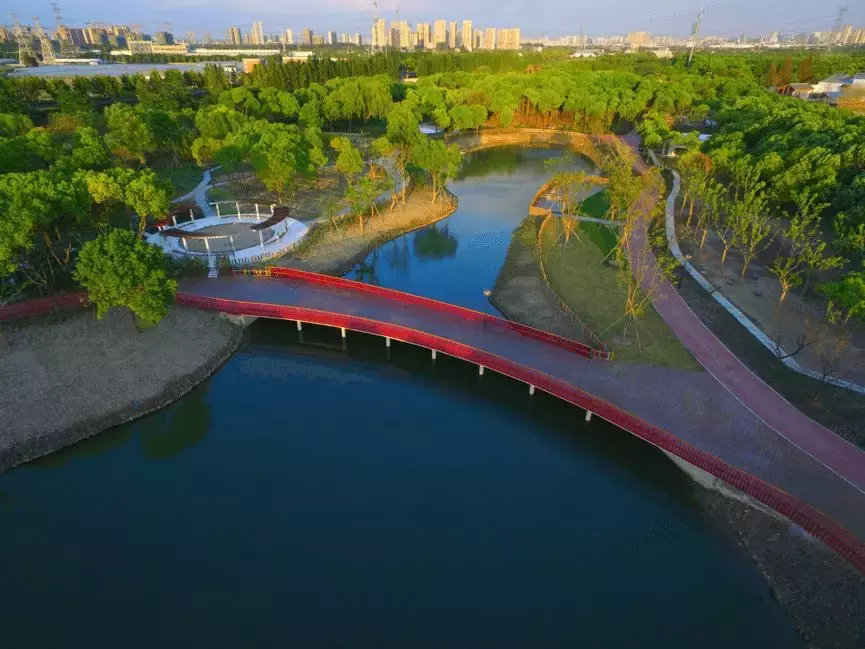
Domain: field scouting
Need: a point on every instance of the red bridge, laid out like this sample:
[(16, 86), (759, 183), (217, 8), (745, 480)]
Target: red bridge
[(687, 414)]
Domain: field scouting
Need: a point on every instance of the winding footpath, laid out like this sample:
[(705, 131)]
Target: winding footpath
[(840, 456)]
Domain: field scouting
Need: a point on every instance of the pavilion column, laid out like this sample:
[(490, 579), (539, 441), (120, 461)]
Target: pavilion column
[(217, 210), (237, 207), (207, 245), (257, 214), (183, 241), (191, 214), (261, 239), (174, 218)]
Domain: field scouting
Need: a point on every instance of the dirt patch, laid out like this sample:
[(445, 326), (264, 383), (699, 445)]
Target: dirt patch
[(66, 378), (334, 247)]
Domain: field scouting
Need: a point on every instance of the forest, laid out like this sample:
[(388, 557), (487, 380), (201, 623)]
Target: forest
[(81, 159)]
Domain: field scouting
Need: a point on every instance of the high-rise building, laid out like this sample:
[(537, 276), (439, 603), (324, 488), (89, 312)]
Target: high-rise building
[(190, 36), (358, 39), (846, 35), (164, 38), (489, 41), (440, 32), (235, 36), (379, 33), (452, 35), (317, 39), (206, 38), (509, 39), (400, 35), (467, 42), (331, 38), (424, 36), (256, 36), (289, 37), (477, 39), (307, 36), (638, 39)]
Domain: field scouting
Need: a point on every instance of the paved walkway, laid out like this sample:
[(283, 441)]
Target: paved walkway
[(779, 414), (688, 405), (199, 193)]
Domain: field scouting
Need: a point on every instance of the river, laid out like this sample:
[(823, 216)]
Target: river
[(312, 494)]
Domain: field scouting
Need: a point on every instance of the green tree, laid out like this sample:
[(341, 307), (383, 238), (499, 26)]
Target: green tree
[(846, 298), (440, 161), (118, 270), (129, 137), (349, 162), (12, 124)]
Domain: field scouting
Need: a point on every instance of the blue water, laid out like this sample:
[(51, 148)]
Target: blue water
[(315, 494)]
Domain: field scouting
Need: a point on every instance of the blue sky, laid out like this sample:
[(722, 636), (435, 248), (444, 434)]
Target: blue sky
[(536, 17)]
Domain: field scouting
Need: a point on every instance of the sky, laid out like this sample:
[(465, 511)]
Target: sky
[(535, 17)]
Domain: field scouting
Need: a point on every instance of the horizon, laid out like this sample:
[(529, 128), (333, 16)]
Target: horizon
[(618, 17)]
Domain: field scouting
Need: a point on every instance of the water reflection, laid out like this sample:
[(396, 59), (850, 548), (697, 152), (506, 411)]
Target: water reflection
[(187, 425), (435, 243)]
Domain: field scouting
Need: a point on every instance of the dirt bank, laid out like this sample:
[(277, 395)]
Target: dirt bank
[(335, 247), (64, 378)]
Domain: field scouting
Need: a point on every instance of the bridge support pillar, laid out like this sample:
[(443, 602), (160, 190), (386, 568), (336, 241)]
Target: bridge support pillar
[(342, 330), (433, 354), (480, 370), (299, 325), (531, 389), (387, 341), (588, 415)]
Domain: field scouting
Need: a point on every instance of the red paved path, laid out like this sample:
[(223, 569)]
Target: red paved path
[(816, 440)]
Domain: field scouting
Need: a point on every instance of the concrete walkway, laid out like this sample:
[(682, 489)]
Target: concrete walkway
[(199, 193), (780, 415)]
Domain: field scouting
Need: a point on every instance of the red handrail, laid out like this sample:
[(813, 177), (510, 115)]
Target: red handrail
[(39, 306), (816, 523), (582, 349)]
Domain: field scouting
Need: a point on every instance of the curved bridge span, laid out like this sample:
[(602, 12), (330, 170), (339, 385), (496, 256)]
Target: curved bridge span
[(686, 414)]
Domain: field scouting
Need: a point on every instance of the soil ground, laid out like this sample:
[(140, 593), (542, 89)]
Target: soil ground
[(69, 376), (335, 246), (757, 295)]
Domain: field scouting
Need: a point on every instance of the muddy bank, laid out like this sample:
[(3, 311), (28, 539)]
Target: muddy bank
[(65, 378), (334, 248)]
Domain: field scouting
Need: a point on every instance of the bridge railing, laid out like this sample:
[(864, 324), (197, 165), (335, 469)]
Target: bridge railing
[(408, 298), (42, 305), (814, 522)]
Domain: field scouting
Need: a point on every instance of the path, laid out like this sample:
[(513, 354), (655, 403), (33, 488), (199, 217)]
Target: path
[(199, 193), (815, 440)]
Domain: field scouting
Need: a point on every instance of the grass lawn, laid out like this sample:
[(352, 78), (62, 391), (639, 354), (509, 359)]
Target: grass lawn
[(183, 179), (593, 291)]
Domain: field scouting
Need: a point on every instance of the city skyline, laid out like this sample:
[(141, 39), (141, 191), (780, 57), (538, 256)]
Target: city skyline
[(617, 17)]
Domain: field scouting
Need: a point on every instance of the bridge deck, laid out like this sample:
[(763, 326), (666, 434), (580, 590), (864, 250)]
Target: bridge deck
[(688, 407)]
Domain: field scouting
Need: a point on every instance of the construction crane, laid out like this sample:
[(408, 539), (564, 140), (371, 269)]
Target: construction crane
[(68, 48), (25, 42)]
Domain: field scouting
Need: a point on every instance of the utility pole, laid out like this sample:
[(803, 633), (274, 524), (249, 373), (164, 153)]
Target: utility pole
[(695, 35), (67, 47), (25, 42)]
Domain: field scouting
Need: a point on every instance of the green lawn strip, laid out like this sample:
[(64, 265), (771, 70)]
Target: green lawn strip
[(594, 292)]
